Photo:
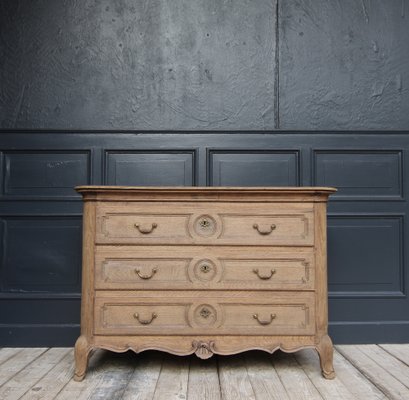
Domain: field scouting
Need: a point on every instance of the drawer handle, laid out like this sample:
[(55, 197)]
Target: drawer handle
[(138, 272), (272, 317), (264, 277), (145, 321), (266, 231), (145, 230)]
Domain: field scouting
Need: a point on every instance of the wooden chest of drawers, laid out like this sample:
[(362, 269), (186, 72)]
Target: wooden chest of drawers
[(204, 270)]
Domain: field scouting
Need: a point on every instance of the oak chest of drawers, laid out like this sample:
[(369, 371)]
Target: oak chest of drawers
[(204, 270)]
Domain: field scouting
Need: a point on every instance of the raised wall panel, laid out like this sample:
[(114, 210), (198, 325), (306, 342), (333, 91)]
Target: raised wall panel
[(360, 175), (365, 255), (41, 254), (150, 168), (44, 174), (252, 168)]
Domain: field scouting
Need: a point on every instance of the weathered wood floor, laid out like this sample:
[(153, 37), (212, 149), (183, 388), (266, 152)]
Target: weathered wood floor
[(363, 372)]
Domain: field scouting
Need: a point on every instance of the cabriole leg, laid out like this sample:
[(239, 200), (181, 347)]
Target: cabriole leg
[(326, 353), (82, 353)]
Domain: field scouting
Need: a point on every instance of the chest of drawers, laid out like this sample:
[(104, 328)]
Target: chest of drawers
[(204, 270)]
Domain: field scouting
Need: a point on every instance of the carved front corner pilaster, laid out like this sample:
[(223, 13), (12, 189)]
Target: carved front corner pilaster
[(203, 350)]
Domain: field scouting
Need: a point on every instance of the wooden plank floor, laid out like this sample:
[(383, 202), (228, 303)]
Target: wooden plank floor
[(363, 372)]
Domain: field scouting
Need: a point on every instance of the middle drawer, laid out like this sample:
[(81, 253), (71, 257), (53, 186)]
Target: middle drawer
[(201, 267)]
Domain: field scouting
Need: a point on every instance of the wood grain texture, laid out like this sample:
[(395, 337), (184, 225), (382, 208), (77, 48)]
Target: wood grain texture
[(393, 365), (173, 379), (329, 390), (401, 352), (204, 381), (264, 378), (26, 378), (142, 383), (377, 373), (354, 380), (234, 379), (132, 243), (15, 364), (100, 362), (54, 381), (7, 353), (294, 379)]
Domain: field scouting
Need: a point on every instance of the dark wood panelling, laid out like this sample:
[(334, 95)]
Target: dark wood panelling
[(254, 168), (360, 175), (365, 256), (368, 229), (44, 174), (41, 254), (129, 168)]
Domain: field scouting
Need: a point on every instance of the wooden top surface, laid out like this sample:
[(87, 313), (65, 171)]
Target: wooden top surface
[(197, 193), (208, 189)]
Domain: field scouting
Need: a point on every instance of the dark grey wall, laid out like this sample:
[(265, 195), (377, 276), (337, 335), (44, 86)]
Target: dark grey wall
[(204, 64)]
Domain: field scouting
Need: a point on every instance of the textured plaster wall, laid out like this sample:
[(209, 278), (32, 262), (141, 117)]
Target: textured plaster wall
[(344, 64), (204, 64)]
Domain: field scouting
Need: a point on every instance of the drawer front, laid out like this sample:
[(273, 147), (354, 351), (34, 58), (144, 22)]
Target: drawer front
[(199, 267), (209, 223), (226, 313)]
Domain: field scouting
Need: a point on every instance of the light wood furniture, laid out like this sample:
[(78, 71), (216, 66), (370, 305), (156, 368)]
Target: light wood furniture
[(215, 270)]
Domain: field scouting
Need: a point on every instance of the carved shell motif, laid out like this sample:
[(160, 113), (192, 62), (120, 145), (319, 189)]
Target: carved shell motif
[(203, 350)]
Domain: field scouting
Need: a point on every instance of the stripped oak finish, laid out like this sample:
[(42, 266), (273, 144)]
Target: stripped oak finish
[(204, 271), (46, 374)]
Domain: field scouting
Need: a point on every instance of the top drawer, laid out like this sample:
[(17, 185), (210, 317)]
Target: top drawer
[(205, 223)]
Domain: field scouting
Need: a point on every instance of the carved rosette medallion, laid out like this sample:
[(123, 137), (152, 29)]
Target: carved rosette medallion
[(204, 316), (205, 225), (205, 270)]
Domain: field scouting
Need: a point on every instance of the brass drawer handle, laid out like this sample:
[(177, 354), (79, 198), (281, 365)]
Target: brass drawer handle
[(145, 321), (145, 230), (266, 231), (272, 317), (264, 277), (138, 272)]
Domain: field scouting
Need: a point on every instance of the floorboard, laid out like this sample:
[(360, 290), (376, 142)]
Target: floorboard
[(263, 377), (294, 378), (333, 389), (28, 377), (374, 372), (173, 378), (17, 363), (357, 383), (234, 380), (142, 383), (399, 351), (204, 381)]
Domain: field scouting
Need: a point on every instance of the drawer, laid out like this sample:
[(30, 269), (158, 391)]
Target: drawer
[(190, 313), (200, 267), (206, 223)]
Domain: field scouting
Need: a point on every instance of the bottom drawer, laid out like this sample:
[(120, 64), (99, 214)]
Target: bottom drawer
[(181, 313)]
